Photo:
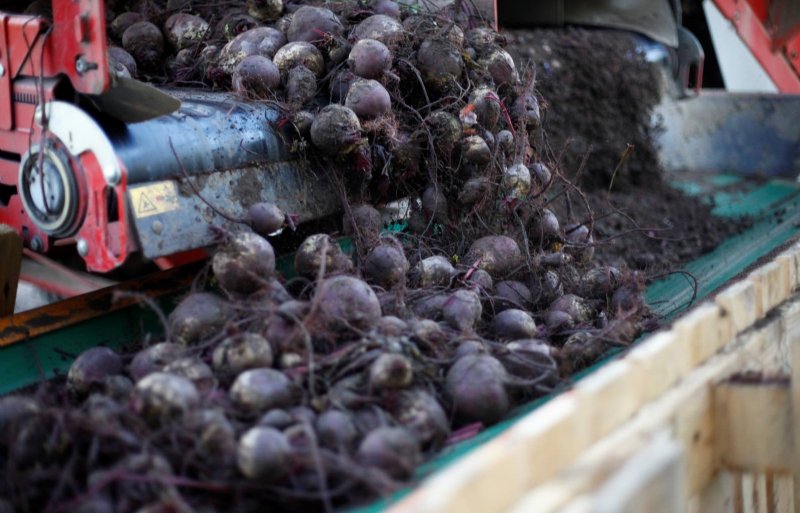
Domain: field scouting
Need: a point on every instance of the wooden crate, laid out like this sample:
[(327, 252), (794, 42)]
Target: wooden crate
[(699, 418)]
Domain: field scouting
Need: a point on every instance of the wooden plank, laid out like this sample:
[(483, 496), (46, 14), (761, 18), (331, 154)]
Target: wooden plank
[(10, 261), (717, 497), (739, 303), (649, 482), (753, 425), (18, 328), (706, 330), (612, 396), (793, 335)]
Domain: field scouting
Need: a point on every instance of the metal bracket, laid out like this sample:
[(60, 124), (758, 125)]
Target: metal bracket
[(80, 133)]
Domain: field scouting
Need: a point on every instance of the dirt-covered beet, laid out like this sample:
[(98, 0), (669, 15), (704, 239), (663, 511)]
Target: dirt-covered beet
[(345, 303), (255, 76), (198, 316), (264, 41), (368, 99), (370, 58), (145, 43), (299, 53), (184, 30), (244, 264), (336, 130), (476, 385), (311, 24)]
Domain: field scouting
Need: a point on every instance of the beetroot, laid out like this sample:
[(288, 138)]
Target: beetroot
[(364, 223), (263, 454), (476, 151), (500, 66), (476, 385), (263, 41), (301, 86), (244, 263), (308, 258), (580, 243), (474, 190), (513, 324), (389, 371), (340, 84), (487, 106), (440, 64), (387, 7), (347, 303), (241, 352), (370, 59), (258, 390), (336, 430), (195, 370), (434, 204), (567, 311), (154, 358), (392, 450), (265, 10), (335, 130), (462, 310), (198, 316), (312, 24), (299, 53), (516, 182), (119, 57), (368, 99), (121, 23), (496, 254), (185, 30), (255, 76), (160, 396), (386, 265), (265, 218), (531, 359), (511, 294), (380, 27), (420, 413), (432, 272), (144, 42), (544, 227), (91, 368)]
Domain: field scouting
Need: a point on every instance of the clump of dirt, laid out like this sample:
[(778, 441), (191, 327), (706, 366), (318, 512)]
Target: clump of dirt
[(598, 94), (657, 230)]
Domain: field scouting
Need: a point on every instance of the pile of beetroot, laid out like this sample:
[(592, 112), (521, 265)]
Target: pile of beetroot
[(331, 387)]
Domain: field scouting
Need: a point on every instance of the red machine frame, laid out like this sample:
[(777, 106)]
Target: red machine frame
[(773, 39), (36, 57)]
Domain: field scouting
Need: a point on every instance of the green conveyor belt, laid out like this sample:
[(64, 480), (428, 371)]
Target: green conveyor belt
[(773, 205)]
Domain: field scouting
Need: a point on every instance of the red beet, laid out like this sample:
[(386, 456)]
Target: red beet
[(370, 58), (347, 303), (256, 77), (263, 454), (336, 130), (299, 53), (311, 24), (91, 368), (395, 451), (368, 99), (383, 28), (144, 41), (245, 263), (198, 316), (476, 385)]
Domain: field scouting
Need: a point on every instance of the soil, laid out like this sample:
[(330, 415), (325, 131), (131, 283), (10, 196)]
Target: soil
[(597, 94)]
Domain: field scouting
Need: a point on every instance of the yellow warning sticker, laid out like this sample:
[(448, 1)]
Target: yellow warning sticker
[(154, 198)]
